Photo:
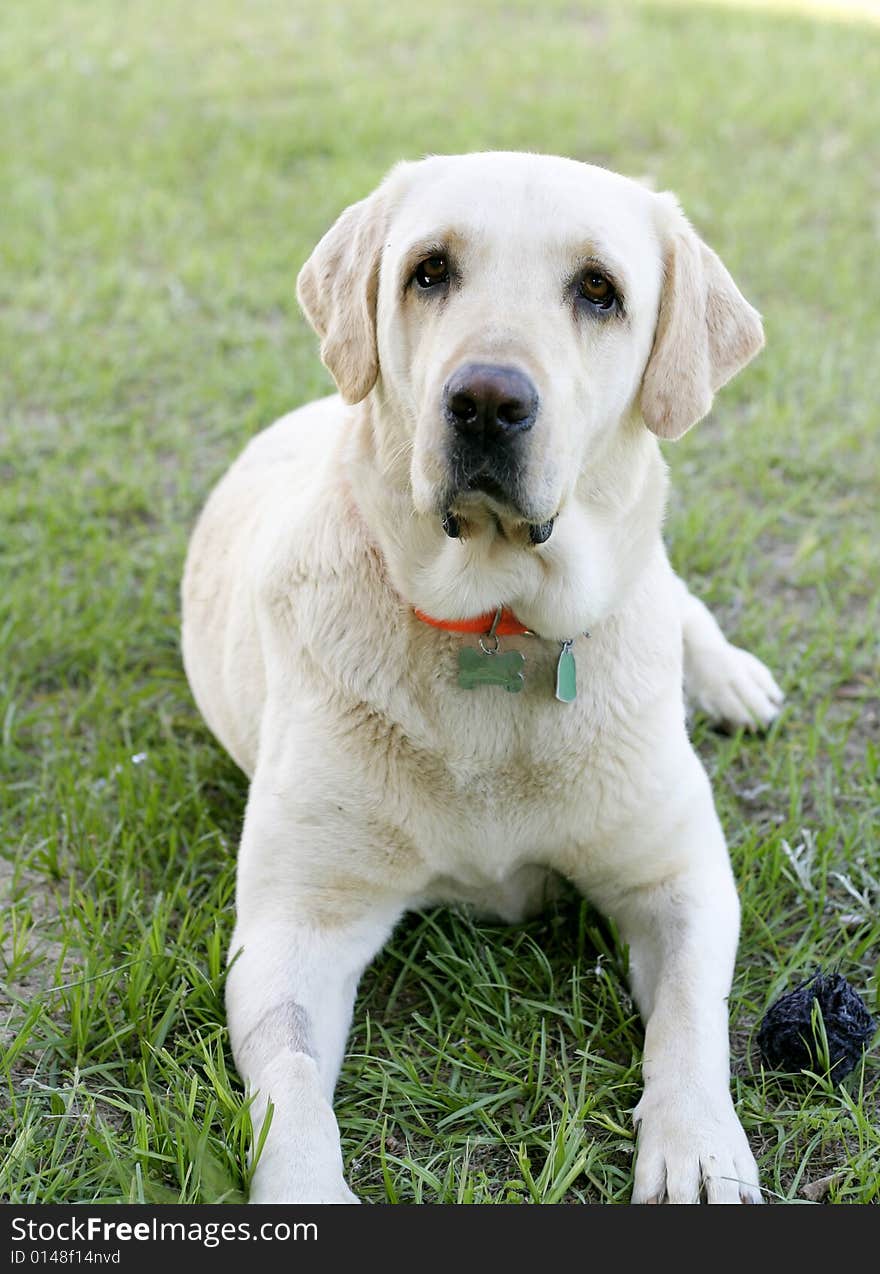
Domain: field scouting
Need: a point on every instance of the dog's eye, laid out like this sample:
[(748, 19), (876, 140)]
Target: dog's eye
[(597, 288), (432, 271)]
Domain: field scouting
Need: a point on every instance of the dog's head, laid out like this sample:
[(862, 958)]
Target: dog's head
[(512, 312)]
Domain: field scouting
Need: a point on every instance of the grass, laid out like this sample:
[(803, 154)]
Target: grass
[(165, 170)]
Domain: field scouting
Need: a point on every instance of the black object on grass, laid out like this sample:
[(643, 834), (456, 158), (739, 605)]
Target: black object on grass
[(786, 1038)]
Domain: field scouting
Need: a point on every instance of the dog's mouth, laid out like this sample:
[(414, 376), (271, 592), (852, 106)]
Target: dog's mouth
[(539, 532), (489, 485), (488, 493), (455, 521)]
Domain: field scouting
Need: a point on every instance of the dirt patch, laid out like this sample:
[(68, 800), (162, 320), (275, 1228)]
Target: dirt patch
[(29, 950)]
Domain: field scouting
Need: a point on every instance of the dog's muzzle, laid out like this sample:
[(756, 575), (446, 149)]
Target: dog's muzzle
[(489, 410)]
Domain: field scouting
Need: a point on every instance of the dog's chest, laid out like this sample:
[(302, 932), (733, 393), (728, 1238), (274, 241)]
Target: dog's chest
[(484, 778), (478, 775)]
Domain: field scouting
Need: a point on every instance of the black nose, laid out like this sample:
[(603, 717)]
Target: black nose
[(489, 403)]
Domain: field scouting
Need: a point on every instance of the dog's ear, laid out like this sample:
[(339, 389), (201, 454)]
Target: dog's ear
[(706, 330), (337, 289)]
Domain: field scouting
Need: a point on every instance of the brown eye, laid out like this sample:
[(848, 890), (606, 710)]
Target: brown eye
[(432, 271), (598, 289)]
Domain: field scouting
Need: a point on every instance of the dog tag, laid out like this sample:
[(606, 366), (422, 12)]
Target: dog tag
[(490, 668), (566, 675)]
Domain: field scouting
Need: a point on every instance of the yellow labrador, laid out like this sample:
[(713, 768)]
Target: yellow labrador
[(433, 620)]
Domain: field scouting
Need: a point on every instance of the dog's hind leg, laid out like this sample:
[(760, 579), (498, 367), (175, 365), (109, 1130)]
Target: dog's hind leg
[(731, 686)]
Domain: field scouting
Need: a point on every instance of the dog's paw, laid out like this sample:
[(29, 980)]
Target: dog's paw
[(273, 1187), (732, 687), (690, 1152), (301, 1160)]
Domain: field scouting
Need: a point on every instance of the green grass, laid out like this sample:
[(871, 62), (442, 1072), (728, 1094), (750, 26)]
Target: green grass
[(165, 169)]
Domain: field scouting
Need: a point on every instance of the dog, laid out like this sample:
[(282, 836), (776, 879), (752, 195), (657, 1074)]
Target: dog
[(433, 620)]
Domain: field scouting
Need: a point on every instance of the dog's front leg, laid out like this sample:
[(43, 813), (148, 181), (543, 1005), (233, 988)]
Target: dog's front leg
[(303, 936), (682, 933), (289, 995)]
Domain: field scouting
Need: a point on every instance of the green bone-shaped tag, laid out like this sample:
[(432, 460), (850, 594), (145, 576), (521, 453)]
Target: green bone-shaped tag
[(477, 668), (566, 675)]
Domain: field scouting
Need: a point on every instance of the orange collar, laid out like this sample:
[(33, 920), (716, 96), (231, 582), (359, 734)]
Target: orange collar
[(508, 625)]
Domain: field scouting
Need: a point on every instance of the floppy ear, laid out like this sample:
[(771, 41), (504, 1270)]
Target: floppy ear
[(337, 289), (706, 331)]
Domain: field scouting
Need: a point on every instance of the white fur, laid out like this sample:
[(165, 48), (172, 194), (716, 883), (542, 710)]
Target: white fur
[(377, 783)]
